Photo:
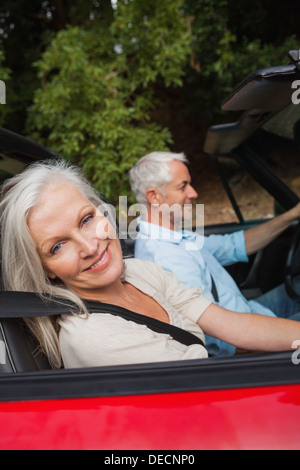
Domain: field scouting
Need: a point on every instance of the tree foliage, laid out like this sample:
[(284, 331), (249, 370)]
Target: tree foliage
[(97, 89), (232, 39), (85, 78)]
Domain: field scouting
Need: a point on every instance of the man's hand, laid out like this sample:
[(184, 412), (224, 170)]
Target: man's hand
[(295, 211), (260, 236)]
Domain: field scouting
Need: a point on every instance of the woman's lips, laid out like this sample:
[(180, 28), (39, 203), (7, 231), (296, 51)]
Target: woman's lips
[(101, 262)]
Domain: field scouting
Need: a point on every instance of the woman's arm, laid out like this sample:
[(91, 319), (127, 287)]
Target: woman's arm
[(250, 331)]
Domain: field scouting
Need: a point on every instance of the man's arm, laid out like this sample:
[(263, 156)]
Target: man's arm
[(260, 236)]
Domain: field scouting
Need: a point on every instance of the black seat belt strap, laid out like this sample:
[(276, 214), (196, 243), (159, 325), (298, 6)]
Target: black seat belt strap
[(29, 304), (214, 290)]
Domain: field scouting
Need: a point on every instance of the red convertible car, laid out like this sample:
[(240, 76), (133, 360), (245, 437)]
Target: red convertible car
[(248, 401)]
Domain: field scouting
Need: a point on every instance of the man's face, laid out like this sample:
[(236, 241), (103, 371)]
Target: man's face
[(179, 194)]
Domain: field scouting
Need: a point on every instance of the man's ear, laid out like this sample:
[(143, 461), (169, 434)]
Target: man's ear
[(153, 196)]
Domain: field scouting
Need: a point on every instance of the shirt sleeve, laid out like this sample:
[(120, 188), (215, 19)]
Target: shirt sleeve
[(227, 249)]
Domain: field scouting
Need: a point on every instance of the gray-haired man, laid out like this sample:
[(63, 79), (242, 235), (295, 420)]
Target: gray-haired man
[(161, 182)]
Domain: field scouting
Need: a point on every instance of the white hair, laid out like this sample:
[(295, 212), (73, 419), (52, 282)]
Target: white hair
[(21, 266), (152, 170)]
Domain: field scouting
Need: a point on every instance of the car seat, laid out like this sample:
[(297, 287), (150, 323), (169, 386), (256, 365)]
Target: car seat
[(19, 351)]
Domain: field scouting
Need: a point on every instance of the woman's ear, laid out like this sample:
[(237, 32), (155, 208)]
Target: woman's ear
[(50, 274)]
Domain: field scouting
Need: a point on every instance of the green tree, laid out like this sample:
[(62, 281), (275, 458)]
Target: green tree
[(98, 89), (230, 40), (113, 80)]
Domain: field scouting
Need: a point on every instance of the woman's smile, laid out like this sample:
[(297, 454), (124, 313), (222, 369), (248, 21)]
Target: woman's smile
[(102, 262)]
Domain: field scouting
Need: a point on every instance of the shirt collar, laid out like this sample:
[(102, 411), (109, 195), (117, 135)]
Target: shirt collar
[(154, 231)]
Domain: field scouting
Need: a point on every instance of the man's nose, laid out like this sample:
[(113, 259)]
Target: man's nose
[(192, 193)]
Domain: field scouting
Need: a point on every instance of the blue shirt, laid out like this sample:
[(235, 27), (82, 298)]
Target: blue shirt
[(195, 259)]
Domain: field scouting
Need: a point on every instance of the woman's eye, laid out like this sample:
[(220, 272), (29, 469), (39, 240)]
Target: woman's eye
[(87, 219), (55, 249)]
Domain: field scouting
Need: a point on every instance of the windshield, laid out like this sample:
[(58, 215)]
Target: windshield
[(282, 132), (277, 143), (286, 123)]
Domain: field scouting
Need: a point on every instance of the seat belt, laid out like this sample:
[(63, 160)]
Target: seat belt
[(214, 290), (28, 304)]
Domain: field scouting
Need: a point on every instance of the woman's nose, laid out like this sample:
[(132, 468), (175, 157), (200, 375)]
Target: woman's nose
[(88, 246)]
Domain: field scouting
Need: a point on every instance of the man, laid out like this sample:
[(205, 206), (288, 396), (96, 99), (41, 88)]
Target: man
[(161, 183)]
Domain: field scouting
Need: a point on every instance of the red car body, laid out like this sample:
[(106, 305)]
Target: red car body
[(248, 418)]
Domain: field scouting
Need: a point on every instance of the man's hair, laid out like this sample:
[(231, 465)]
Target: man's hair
[(152, 171)]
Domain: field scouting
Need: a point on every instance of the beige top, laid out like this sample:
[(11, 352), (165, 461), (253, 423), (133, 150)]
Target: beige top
[(104, 339)]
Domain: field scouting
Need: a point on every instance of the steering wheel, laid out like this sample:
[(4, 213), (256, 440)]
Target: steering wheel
[(292, 258)]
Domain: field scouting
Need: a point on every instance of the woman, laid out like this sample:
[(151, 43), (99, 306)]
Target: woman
[(55, 241)]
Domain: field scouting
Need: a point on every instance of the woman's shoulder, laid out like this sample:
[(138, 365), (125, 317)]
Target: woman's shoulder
[(145, 275), (142, 268)]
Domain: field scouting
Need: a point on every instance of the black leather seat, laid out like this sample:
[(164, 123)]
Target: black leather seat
[(19, 351), (127, 247)]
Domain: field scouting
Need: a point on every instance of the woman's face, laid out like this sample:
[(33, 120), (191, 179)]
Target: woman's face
[(75, 241)]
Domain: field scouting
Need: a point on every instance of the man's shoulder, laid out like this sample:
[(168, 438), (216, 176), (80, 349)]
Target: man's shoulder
[(151, 248)]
